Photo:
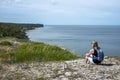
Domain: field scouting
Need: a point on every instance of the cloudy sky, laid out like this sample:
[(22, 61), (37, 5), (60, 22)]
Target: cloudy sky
[(63, 12)]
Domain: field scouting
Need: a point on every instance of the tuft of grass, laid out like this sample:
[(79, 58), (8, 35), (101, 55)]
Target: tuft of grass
[(22, 40), (39, 52), (6, 43)]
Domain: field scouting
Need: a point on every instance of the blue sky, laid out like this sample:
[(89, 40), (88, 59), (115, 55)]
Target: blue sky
[(61, 12)]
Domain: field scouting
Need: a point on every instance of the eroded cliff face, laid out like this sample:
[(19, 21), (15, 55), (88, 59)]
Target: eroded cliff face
[(66, 70)]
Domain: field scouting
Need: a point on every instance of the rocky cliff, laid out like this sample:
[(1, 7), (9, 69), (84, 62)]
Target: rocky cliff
[(66, 70)]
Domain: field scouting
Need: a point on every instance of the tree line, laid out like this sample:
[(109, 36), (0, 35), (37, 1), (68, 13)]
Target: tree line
[(16, 30)]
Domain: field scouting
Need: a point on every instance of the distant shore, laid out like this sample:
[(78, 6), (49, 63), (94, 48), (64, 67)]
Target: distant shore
[(17, 30)]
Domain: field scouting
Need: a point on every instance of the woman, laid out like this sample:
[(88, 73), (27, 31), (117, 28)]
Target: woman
[(95, 55)]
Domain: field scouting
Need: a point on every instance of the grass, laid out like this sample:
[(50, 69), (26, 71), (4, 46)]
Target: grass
[(5, 43), (34, 51)]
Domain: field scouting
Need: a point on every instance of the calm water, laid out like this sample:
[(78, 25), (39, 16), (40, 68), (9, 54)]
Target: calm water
[(78, 38)]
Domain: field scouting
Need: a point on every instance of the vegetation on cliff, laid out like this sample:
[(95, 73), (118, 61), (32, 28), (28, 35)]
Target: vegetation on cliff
[(36, 52), (16, 30)]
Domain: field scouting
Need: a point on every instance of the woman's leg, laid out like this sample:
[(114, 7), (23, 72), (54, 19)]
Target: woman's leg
[(89, 59), (86, 59)]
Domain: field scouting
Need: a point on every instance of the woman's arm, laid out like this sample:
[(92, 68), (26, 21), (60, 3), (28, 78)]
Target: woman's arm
[(90, 52)]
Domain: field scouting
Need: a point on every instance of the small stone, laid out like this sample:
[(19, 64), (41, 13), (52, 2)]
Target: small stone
[(1, 67), (75, 73), (68, 74), (64, 78), (59, 72), (47, 75)]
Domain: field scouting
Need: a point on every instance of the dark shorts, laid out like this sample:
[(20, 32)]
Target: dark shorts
[(96, 61)]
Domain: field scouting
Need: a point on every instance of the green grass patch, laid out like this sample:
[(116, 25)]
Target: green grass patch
[(39, 52), (5, 43), (22, 40)]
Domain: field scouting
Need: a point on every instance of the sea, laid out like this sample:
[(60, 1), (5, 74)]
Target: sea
[(78, 38)]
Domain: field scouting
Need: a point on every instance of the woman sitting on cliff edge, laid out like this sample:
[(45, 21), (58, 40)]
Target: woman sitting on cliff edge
[(95, 55)]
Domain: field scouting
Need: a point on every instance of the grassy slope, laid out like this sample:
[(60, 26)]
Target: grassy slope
[(34, 51)]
